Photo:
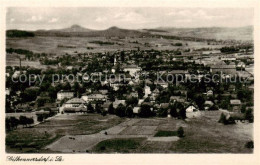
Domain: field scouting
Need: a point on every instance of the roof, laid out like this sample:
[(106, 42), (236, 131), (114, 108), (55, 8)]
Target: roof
[(235, 102), (132, 67), (97, 96), (178, 72), (223, 67), (75, 101), (208, 102), (64, 91), (165, 105)]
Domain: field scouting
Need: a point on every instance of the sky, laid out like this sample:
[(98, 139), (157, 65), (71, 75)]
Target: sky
[(130, 18)]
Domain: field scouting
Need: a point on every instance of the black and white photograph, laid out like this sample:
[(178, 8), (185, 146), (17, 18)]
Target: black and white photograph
[(129, 80)]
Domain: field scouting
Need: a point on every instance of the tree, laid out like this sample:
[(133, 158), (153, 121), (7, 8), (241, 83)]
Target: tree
[(129, 112), (111, 109), (162, 112), (40, 118), (180, 132), (98, 108), (173, 111), (23, 120), (90, 108), (132, 101), (40, 102), (145, 111), (249, 115), (29, 121), (200, 101), (14, 122), (7, 124), (182, 113), (120, 110)]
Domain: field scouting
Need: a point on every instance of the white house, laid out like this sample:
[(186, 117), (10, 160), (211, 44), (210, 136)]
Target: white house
[(74, 105), (136, 110), (94, 97), (132, 69), (147, 91), (191, 108), (64, 94)]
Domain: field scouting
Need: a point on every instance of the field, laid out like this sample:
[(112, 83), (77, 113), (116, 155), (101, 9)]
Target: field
[(34, 139), (70, 45), (94, 133)]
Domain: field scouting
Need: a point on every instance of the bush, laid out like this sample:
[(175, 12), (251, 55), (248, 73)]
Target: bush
[(120, 110), (166, 133), (104, 113), (180, 132), (226, 121), (111, 109), (40, 118), (162, 112), (249, 115), (145, 111), (249, 144), (129, 112)]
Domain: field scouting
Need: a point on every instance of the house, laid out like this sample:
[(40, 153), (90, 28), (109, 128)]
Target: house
[(103, 91), (132, 69), (136, 110), (106, 105), (208, 52), (164, 105), (191, 108), (94, 97), (74, 105), (147, 91), (162, 83), (117, 102), (140, 101), (232, 88), (241, 65), (64, 94), (7, 91), (235, 105), (177, 98), (42, 112), (208, 104), (133, 94), (228, 69), (209, 93)]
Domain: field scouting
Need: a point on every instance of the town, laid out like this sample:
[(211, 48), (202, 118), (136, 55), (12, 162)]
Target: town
[(171, 86)]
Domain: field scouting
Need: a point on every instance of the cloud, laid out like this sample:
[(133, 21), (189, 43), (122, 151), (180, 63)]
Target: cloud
[(53, 20), (100, 19), (34, 19), (195, 15)]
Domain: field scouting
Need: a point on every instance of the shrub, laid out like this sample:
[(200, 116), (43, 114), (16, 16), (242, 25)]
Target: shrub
[(145, 111), (180, 132), (249, 144), (111, 109), (120, 110), (129, 112)]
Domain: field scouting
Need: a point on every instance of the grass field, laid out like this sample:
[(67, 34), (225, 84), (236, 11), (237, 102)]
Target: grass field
[(118, 145), (202, 135), (34, 139), (63, 45), (86, 133)]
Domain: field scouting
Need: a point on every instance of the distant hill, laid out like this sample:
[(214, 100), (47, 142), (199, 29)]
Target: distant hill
[(218, 33), (18, 33), (74, 28), (79, 31), (192, 34)]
